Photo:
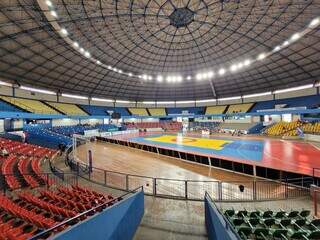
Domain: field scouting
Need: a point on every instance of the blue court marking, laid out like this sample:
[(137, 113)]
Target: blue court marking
[(239, 149)]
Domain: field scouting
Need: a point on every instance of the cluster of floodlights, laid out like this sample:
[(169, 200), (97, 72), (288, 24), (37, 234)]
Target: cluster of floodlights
[(203, 75)]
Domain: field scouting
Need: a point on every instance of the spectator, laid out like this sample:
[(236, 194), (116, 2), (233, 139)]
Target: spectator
[(4, 152)]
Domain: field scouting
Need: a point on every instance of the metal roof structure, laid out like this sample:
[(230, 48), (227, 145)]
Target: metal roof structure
[(160, 49)]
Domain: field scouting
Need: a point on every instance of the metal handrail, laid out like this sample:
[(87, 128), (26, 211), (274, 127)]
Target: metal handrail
[(188, 180), (37, 236)]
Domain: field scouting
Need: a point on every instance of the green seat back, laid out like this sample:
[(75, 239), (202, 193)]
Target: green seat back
[(293, 214), (254, 214), (298, 235), (316, 222), (314, 235), (254, 221), (280, 233), (300, 222), (242, 213), (237, 221), (305, 213), (269, 221), (244, 231), (261, 232), (229, 212), (267, 214), (285, 222), (280, 214)]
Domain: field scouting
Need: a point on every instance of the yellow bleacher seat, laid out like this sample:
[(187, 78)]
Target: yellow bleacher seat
[(215, 110), (157, 111), (68, 109), (139, 111), (284, 129), (239, 108), (29, 105)]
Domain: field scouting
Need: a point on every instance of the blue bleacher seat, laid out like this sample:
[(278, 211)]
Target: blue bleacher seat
[(306, 101), (6, 107)]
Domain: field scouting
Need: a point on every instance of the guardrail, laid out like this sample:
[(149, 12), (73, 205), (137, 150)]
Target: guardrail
[(255, 190)]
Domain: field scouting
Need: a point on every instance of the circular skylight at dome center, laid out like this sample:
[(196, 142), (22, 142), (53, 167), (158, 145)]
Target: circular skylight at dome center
[(181, 17)]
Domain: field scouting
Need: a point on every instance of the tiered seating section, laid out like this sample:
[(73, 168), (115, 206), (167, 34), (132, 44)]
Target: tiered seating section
[(139, 111), (45, 137), (27, 214), (239, 108), (35, 106), (166, 125), (215, 110), (274, 225), (23, 160), (68, 109), (79, 129), (290, 129), (29, 105), (157, 111)]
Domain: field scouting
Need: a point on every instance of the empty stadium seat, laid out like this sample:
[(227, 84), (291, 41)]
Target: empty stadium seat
[(29, 105), (215, 110), (68, 109), (157, 111), (139, 111), (239, 108)]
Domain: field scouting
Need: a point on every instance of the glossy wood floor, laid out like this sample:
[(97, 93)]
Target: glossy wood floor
[(133, 161)]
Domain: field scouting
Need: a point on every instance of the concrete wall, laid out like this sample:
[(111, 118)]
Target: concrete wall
[(116, 222)]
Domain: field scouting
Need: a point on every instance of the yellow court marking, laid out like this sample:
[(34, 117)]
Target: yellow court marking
[(216, 144)]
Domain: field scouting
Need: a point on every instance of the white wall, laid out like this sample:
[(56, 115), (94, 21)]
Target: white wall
[(73, 100), (132, 104), (143, 105), (227, 102), (17, 124), (205, 104), (91, 121), (258, 99), (4, 90), (64, 122), (165, 105), (100, 103), (1, 125), (185, 104), (300, 93), (34, 95)]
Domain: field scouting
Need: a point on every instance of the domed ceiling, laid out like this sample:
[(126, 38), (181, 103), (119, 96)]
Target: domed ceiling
[(160, 49)]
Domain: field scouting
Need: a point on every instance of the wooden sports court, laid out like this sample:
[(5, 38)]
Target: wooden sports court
[(171, 174)]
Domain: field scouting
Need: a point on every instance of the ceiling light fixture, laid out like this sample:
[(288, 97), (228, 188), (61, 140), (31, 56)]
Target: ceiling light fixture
[(49, 3), (87, 54), (261, 56), (276, 49), (75, 44), (314, 22), (222, 71), (295, 37), (159, 78), (54, 14), (64, 31)]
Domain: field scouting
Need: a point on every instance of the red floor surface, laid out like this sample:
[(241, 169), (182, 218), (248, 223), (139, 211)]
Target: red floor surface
[(291, 156)]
